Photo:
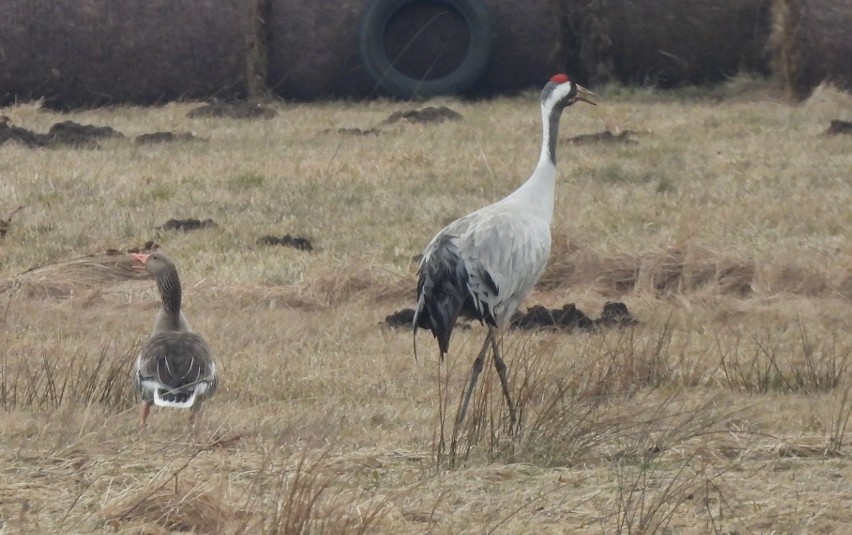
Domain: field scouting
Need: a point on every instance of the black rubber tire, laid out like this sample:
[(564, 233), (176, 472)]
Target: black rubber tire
[(371, 34)]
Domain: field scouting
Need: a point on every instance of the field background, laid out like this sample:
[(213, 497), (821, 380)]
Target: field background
[(725, 229)]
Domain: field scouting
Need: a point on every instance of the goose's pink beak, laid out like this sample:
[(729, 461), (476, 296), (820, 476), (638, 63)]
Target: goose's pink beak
[(141, 258)]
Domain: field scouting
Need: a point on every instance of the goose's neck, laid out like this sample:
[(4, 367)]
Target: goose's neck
[(539, 189), (168, 283)]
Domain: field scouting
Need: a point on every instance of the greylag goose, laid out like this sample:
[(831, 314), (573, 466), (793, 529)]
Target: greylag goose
[(175, 367)]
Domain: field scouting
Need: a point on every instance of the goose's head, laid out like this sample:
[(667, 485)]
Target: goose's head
[(154, 263)]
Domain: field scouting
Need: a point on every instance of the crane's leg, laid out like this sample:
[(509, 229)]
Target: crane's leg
[(474, 375), (501, 371)]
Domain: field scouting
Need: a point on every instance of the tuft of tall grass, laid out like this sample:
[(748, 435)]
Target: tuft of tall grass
[(617, 396), (779, 360), (307, 499), (648, 495), (49, 380)]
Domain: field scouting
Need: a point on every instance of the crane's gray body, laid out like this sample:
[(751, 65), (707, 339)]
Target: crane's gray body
[(484, 264)]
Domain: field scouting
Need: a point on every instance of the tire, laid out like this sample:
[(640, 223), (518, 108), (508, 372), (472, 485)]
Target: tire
[(371, 34)]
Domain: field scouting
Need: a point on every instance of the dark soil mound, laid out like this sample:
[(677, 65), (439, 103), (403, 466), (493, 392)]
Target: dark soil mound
[(80, 135), (838, 126), (603, 137), (400, 318), (616, 315), (164, 137), (187, 224), (353, 131), (21, 135), (429, 114), (303, 244), (66, 133), (568, 318), (4, 223), (232, 110)]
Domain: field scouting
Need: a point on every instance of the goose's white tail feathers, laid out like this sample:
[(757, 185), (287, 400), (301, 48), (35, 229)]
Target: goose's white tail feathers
[(180, 398), (160, 402)]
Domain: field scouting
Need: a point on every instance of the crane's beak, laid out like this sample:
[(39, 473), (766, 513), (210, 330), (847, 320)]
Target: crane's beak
[(141, 258), (585, 95)]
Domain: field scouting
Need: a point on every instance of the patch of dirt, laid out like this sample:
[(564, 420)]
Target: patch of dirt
[(187, 224), (165, 137), (80, 135), (4, 223), (298, 242), (71, 134), (568, 318), (616, 314), (21, 135), (237, 109), (353, 131), (65, 133), (429, 114), (603, 137), (400, 318), (839, 126)]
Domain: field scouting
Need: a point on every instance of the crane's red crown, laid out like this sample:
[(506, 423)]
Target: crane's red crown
[(559, 79)]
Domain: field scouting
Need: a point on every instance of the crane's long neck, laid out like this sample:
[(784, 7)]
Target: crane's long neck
[(169, 317), (539, 189)]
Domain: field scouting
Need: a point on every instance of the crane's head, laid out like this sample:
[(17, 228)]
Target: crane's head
[(560, 92)]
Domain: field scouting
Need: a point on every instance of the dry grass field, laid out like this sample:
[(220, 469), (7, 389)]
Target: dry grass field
[(725, 228)]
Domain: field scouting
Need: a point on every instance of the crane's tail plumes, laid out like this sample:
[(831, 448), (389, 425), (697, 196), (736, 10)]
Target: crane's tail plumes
[(442, 313), (441, 292)]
